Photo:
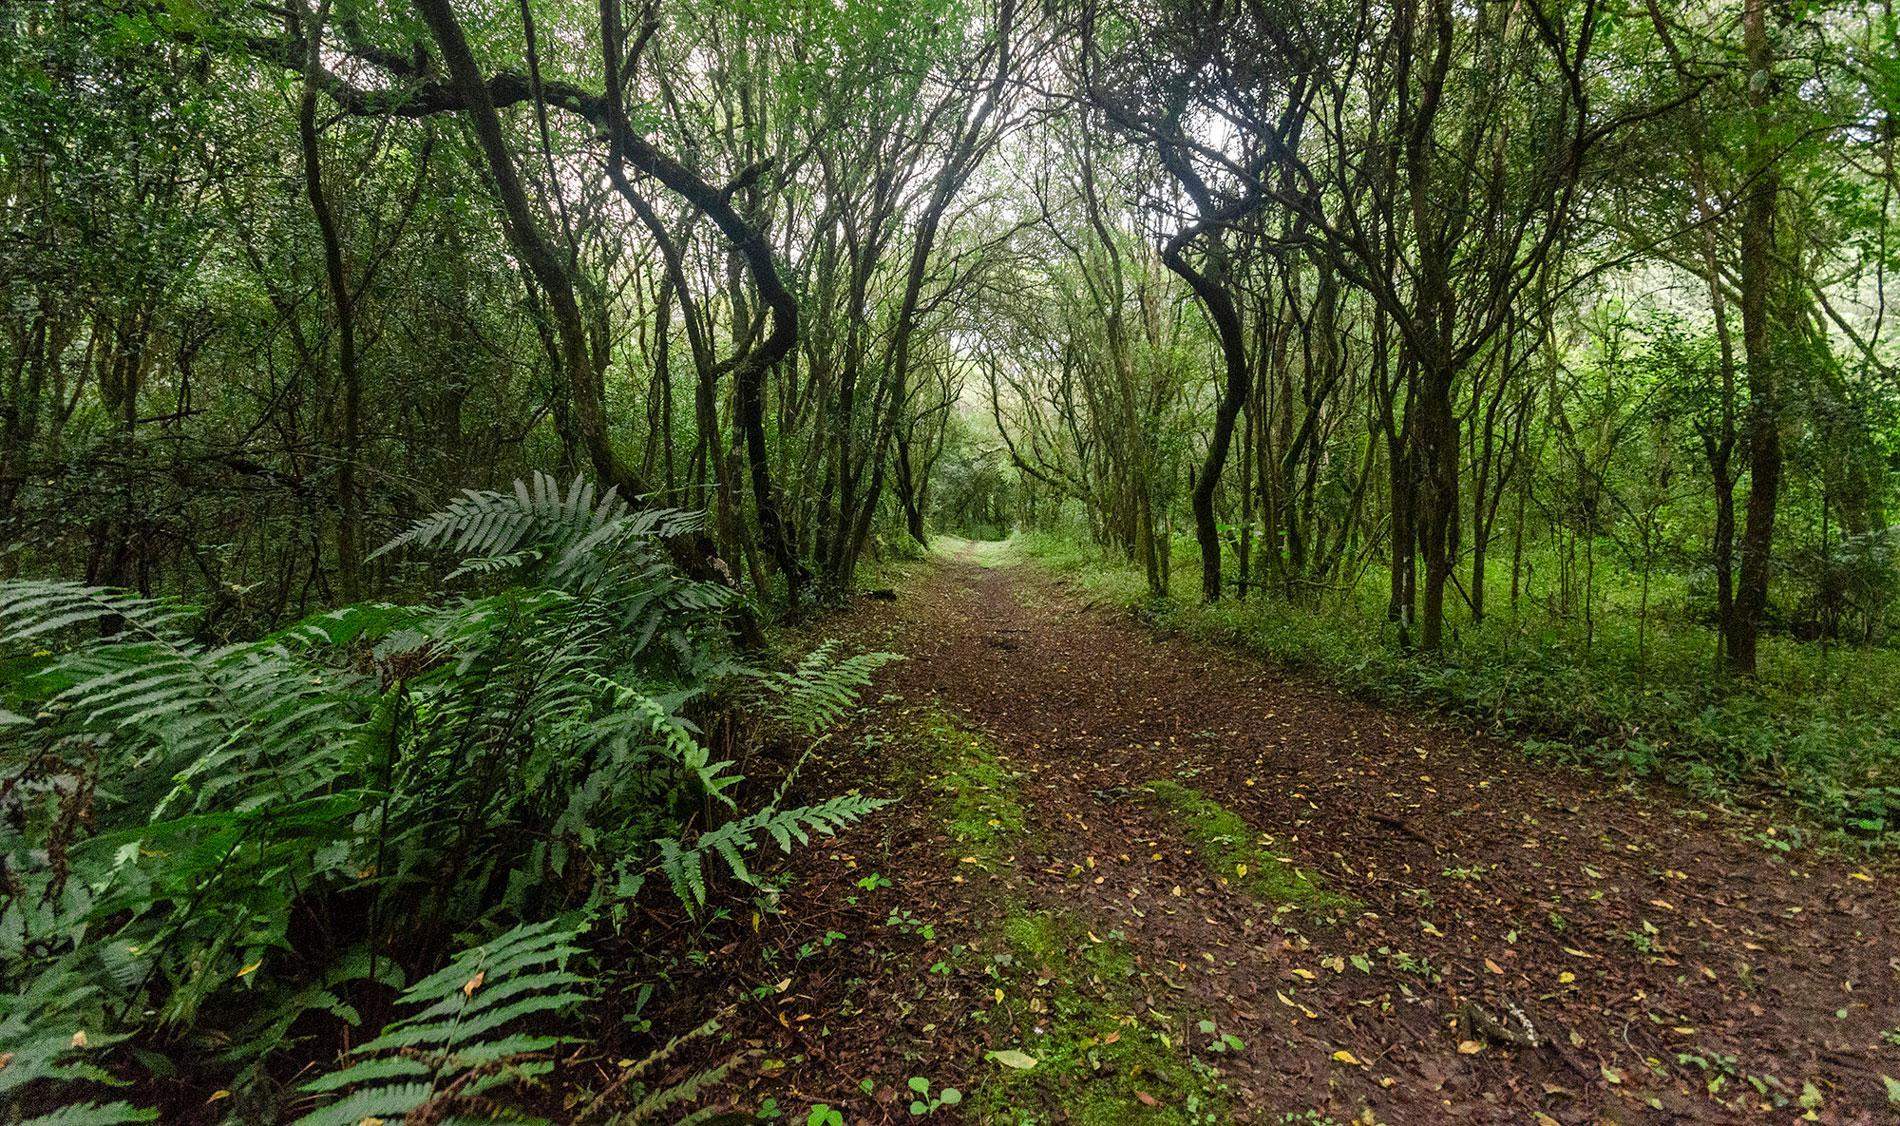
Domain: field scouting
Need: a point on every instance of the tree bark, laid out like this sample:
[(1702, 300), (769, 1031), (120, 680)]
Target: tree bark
[(349, 549), (1758, 270)]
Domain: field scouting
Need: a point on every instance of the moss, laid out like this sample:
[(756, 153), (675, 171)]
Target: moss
[(1098, 1048), (977, 792), (1230, 850), (1072, 995)]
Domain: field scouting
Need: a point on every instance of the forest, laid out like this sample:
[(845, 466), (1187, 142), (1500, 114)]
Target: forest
[(1011, 561)]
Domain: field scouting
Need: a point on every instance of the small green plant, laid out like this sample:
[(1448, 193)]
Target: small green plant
[(903, 920), (1416, 965), (927, 1103), (1221, 1041)]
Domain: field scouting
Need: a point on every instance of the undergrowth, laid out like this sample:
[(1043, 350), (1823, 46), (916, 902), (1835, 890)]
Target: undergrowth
[(219, 863), (1824, 738)]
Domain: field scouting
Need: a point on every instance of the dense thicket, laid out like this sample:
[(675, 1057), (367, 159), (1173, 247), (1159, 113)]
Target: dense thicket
[(1585, 278)]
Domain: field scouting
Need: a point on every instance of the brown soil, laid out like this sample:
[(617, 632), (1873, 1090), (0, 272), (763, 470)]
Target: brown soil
[(1537, 943)]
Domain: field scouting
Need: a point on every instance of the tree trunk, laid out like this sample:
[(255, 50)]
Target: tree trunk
[(349, 550), (1757, 283)]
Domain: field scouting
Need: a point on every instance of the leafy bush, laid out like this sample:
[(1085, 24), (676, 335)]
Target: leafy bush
[(223, 849)]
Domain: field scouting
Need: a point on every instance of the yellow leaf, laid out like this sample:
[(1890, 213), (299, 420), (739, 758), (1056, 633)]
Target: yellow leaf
[(1566, 977), (1470, 1047), (472, 984), (1343, 1056), (1240, 869), (252, 968), (1493, 966), (1303, 975), (999, 994), (1860, 876)]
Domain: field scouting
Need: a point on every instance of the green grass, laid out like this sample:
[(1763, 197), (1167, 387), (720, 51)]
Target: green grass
[(1231, 851), (1819, 731)]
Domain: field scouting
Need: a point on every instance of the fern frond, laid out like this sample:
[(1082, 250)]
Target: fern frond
[(94, 1114), (822, 688), (490, 523), (684, 866), (688, 1090), (33, 609), (463, 1035)]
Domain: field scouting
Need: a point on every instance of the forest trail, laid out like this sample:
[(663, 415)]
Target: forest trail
[(1427, 925)]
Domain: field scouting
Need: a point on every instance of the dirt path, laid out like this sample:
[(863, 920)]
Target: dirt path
[(1403, 925)]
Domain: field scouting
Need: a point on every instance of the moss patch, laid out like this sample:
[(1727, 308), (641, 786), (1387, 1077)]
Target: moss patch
[(1098, 1049), (977, 792), (1070, 995), (1230, 850)]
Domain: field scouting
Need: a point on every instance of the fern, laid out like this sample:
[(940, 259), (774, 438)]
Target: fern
[(685, 865), (465, 1037), (822, 688), (537, 523), (174, 814), (490, 523), (48, 1036)]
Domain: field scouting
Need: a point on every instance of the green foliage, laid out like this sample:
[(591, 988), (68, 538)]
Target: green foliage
[(463, 1036), (815, 694), (228, 841)]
